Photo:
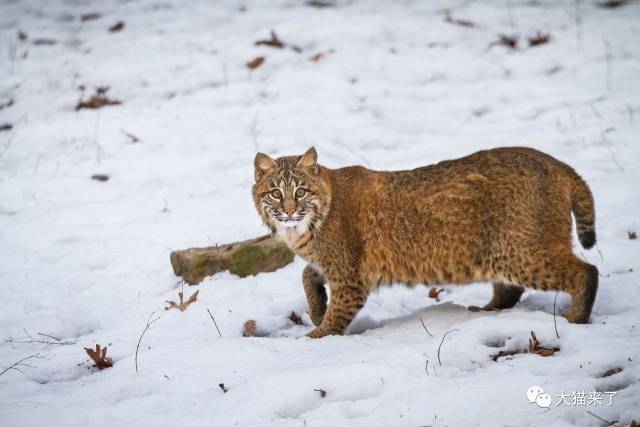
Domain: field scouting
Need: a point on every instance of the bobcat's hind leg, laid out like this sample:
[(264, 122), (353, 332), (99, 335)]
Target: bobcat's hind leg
[(313, 282), (563, 272), (504, 296)]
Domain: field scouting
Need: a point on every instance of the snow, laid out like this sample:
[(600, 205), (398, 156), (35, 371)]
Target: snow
[(88, 261)]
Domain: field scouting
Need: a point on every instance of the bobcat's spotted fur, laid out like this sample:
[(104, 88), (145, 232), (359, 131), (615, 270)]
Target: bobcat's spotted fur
[(501, 215)]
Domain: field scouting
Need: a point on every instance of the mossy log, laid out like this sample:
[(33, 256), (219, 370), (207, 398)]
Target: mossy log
[(250, 257)]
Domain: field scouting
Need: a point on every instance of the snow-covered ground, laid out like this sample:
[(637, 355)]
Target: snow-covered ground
[(398, 87)]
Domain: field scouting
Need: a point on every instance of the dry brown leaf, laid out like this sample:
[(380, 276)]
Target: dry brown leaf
[(504, 353), (97, 100), (320, 4), (536, 348), (249, 328), (323, 393), (182, 306), (116, 27), (435, 293), (223, 388), (255, 63), (632, 235), (510, 42), (90, 16), (295, 318), (611, 4), (6, 126), (610, 372), (539, 38), (100, 177), (99, 357), (318, 56), (462, 22), (22, 36), (274, 41)]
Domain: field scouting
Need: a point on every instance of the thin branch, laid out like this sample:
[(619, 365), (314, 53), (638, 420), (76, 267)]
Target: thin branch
[(443, 337), (30, 339), (604, 420), (95, 138), (425, 328), (214, 323), (607, 49), (49, 336), (11, 137), (578, 17), (607, 144), (132, 138), (149, 323), (20, 364)]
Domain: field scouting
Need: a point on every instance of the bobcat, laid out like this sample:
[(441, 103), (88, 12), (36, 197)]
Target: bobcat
[(500, 215)]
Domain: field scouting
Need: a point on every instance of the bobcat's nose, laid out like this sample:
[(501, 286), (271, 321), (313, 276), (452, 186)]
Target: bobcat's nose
[(289, 211)]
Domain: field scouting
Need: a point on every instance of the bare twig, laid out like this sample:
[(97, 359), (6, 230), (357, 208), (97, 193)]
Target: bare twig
[(95, 139), (30, 339), (425, 328), (49, 336), (600, 253), (607, 144), (150, 322), (11, 137), (510, 13), (578, 17), (443, 337), (604, 420), (555, 325), (607, 55), (20, 364), (214, 322), (132, 138)]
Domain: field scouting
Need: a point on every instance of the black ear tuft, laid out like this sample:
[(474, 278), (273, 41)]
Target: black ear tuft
[(309, 160)]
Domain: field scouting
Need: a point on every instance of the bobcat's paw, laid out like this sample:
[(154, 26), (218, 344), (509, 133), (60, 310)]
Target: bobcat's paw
[(475, 308), (576, 317), (320, 332)]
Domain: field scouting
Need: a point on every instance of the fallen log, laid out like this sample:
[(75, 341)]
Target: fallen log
[(260, 255)]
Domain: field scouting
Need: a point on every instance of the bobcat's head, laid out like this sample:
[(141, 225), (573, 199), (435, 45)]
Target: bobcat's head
[(291, 191)]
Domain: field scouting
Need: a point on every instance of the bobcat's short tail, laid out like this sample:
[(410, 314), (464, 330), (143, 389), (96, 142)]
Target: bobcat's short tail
[(584, 212)]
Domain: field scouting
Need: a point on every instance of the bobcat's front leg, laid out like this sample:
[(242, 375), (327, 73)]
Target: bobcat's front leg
[(313, 282), (346, 300)]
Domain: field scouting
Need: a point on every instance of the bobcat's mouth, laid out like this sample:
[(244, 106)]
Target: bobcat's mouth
[(290, 222)]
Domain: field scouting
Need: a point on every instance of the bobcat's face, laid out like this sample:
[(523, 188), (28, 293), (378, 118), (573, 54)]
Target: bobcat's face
[(289, 192)]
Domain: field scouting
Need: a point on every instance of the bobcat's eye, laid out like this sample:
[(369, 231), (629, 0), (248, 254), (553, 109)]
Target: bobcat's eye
[(276, 194), (300, 192)]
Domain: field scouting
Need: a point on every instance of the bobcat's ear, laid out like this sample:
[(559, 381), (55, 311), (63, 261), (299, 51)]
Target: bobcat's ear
[(263, 165), (309, 160)]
